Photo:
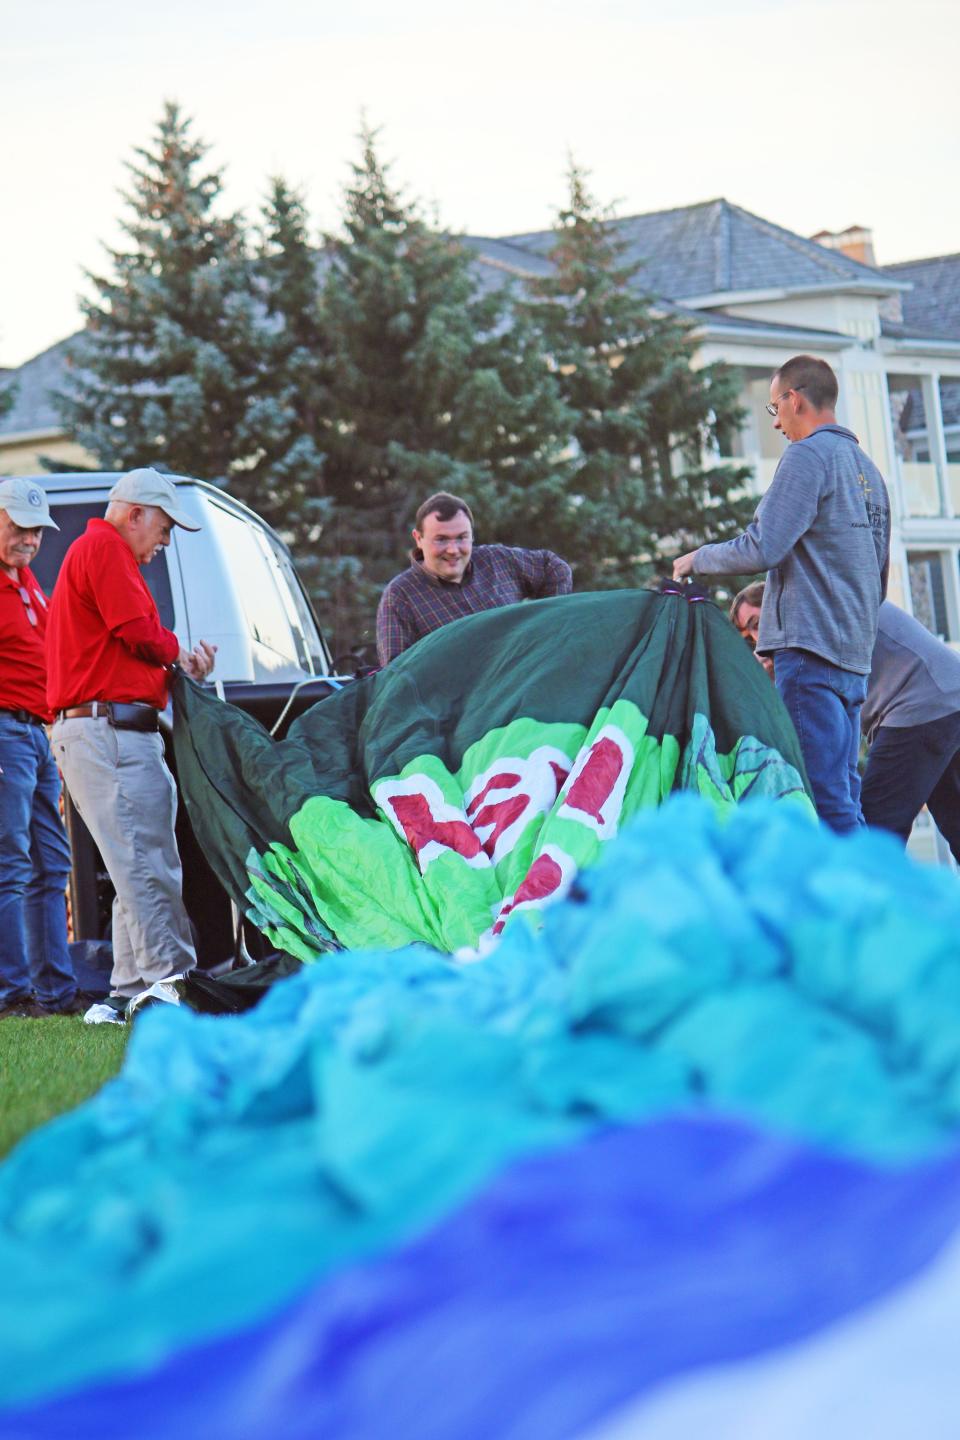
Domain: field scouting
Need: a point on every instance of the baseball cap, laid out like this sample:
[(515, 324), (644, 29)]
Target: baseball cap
[(147, 486), (26, 503)]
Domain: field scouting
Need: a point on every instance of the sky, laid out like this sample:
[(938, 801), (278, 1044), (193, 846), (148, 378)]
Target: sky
[(815, 116)]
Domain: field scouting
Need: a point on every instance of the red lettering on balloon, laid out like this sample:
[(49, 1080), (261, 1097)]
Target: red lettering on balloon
[(506, 781), (542, 879), (500, 814), (421, 827), (594, 785), (559, 774)]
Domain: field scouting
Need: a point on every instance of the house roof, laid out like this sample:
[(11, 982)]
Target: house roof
[(691, 257), (716, 248), (931, 309), (33, 383), (506, 256), (773, 329)]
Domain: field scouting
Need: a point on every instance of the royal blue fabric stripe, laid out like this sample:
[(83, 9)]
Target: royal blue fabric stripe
[(578, 1280)]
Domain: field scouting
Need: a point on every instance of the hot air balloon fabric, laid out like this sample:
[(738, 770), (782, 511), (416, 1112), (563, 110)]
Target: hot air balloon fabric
[(468, 782), (684, 1159)]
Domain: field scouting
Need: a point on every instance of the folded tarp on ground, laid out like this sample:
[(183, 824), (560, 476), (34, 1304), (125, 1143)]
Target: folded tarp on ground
[(750, 963), (468, 781)]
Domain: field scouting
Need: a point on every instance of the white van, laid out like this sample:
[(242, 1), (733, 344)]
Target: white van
[(234, 584)]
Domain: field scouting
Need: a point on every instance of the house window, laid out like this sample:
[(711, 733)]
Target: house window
[(928, 592)]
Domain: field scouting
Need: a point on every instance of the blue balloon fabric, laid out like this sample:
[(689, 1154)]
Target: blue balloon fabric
[(752, 966), (578, 1280)]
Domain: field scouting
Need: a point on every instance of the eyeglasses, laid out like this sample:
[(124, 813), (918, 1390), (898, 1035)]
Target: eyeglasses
[(445, 541), (772, 406), (24, 594)]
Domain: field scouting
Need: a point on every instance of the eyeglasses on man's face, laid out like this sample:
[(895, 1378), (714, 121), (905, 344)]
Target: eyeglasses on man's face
[(772, 407)]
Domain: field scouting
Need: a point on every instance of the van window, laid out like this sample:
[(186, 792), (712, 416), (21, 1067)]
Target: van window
[(72, 519), (298, 610), (250, 565)]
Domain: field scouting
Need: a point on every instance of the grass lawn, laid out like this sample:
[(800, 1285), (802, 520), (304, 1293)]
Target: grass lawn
[(48, 1066)]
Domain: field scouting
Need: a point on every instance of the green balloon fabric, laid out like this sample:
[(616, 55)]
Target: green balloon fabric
[(740, 960), (465, 785)]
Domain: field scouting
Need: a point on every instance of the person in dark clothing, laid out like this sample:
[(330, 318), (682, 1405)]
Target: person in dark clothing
[(911, 721), (36, 974), (448, 578)]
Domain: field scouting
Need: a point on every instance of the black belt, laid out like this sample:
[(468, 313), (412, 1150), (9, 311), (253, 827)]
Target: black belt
[(122, 714), (26, 717)]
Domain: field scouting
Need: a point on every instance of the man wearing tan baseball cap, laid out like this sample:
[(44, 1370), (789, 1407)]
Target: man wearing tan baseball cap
[(147, 486), (26, 504), (109, 662), (36, 975)]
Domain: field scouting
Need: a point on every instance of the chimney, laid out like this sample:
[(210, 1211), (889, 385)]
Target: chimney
[(856, 242)]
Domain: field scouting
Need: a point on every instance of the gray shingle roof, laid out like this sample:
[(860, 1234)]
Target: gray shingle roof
[(505, 256), (33, 408), (932, 308), (696, 250), (715, 248)]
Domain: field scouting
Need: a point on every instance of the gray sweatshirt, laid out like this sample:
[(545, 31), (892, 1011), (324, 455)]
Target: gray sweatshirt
[(822, 531), (914, 677)]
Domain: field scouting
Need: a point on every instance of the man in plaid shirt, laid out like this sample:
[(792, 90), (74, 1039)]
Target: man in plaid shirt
[(448, 578)]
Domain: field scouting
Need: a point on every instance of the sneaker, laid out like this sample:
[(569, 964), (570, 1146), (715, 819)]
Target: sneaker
[(161, 992), (25, 1009), (75, 1006), (106, 1012)]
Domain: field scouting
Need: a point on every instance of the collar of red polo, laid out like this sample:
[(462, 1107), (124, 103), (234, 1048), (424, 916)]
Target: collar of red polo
[(24, 577)]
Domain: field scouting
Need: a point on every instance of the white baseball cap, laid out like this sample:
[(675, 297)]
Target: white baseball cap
[(147, 486), (26, 503)]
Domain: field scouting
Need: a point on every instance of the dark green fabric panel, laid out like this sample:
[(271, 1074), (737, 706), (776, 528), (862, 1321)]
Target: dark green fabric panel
[(563, 659)]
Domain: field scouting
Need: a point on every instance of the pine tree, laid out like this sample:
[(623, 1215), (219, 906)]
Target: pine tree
[(645, 418), (285, 421), (8, 395), (170, 355), (432, 389)]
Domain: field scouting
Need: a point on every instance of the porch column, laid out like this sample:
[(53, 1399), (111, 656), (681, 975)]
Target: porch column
[(936, 439)]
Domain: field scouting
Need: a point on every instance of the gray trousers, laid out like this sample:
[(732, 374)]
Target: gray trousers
[(127, 798)]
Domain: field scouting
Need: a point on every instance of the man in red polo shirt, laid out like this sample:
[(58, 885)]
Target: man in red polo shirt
[(109, 662), (36, 976)]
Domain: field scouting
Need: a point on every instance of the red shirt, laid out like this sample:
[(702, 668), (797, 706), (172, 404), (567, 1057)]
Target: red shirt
[(23, 666), (105, 640)]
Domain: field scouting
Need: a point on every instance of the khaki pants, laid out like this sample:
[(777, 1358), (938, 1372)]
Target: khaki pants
[(127, 797)]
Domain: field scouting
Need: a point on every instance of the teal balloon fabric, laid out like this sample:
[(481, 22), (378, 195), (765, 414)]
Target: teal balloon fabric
[(754, 965)]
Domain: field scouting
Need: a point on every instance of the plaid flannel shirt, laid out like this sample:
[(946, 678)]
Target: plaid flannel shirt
[(416, 602)]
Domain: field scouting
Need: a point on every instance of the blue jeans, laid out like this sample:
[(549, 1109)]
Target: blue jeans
[(824, 704), (34, 865)]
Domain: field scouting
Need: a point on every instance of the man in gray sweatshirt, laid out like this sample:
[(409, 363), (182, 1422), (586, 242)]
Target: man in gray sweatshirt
[(822, 532)]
